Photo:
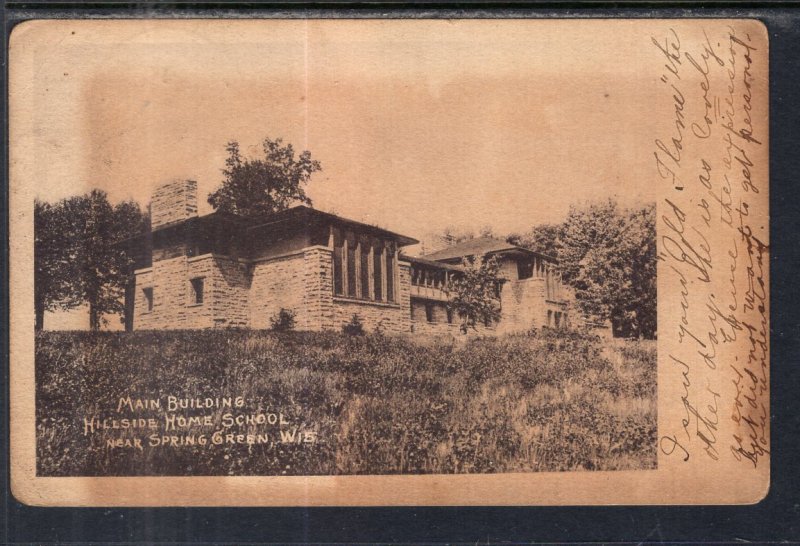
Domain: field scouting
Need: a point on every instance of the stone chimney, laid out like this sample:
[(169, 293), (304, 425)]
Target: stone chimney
[(173, 202)]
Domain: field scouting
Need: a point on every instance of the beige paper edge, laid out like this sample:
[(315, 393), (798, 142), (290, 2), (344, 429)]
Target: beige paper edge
[(700, 482)]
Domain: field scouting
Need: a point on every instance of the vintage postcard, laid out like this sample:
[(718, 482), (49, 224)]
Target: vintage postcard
[(389, 262)]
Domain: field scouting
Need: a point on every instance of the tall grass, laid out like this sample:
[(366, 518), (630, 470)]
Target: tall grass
[(545, 401)]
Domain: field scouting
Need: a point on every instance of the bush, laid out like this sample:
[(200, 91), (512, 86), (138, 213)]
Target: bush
[(283, 321), (355, 327)]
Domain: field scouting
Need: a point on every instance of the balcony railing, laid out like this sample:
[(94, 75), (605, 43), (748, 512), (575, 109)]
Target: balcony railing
[(428, 292)]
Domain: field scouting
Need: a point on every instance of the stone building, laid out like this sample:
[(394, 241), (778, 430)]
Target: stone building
[(531, 295), (221, 270)]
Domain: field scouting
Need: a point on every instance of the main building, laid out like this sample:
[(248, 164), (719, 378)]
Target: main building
[(221, 270)]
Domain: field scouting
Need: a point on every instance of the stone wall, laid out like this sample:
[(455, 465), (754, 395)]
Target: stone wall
[(523, 305), (318, 308), (237, 294), (198, 315), (439, 325), (167, 279), (225, 287), (228, 287), (404, 293), (300, 282), (142, 319), (173, 202), (386, 317), (278, 283)]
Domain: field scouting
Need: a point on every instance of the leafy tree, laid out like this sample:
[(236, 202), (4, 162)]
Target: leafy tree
[(52, 261), (544, 238), (474, 294), (486, 231), (607, 255), (639, 304), (589, 260), (77, 261), (253, 187), (103, 269), (451, 236)]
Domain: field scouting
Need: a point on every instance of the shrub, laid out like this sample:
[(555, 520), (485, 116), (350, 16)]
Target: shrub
[(355, 327), (283, 321)]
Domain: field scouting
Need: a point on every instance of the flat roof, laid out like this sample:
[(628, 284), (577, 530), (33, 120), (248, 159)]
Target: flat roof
[(300, 216), (431, 263), (306, 215), (481, 246)]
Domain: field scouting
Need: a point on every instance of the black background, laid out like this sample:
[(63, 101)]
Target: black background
[(776, 519)]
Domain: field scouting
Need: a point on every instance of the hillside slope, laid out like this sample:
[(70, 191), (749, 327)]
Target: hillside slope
[(302, 403)]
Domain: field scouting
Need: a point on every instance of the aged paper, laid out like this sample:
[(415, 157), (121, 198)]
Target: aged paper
[(450, 300)]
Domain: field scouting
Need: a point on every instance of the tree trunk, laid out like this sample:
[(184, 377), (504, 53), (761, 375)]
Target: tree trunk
[(39, 325), (94, 318)]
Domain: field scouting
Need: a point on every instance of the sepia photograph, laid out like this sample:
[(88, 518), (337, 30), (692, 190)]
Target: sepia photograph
[(299, 249)]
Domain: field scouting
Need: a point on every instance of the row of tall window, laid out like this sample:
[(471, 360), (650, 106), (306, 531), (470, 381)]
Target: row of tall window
[(364, 267)]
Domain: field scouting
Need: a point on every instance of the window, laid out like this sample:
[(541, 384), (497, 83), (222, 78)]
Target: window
[(364, 270), (364, 267), (390, 274), (338, 266), (449, 315), (429, 312), (378, 271), (351, 268), (148, 298), (197, 290)]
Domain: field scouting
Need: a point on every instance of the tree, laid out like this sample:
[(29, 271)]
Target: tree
[(640, 300), (474, 294), (77, 261), (544, 238), (451, 236), (254, 187), (103, 268), (53, 266), (128, 220), (607, 255)]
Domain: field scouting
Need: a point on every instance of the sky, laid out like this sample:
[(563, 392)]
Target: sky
[(419, 125)]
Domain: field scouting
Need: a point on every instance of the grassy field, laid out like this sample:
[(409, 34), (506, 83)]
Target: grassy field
[(545, 401)]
